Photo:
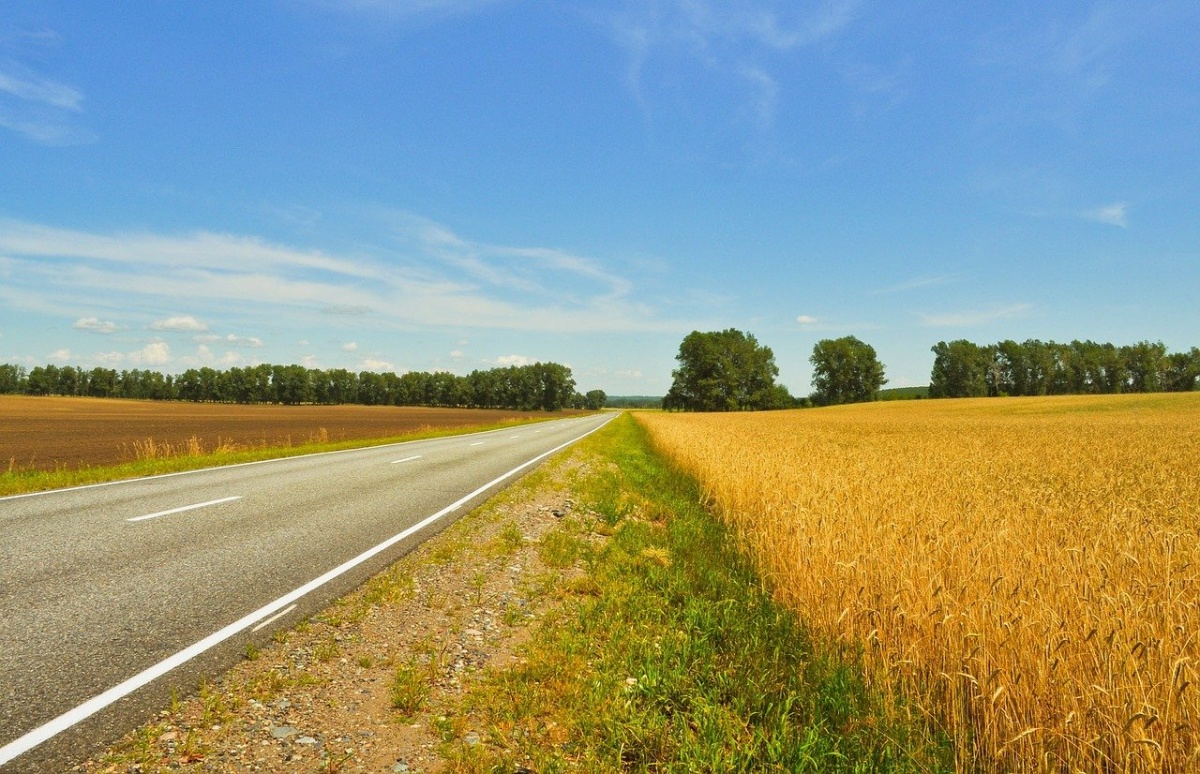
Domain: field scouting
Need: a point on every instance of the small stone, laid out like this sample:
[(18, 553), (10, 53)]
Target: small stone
[(306, 740), (401, 766), (282, 704), (282, 732), (471, 738)]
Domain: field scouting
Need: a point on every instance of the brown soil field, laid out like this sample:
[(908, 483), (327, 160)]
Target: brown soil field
[(46, 433)]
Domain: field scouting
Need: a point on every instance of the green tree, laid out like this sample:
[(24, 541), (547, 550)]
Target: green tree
[(845, 370), (1183, 371), (959, 370), (594, 400), (12, 378), (724, 371)]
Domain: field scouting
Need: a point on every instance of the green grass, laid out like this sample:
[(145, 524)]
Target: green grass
[(17, 480), (671, 656)]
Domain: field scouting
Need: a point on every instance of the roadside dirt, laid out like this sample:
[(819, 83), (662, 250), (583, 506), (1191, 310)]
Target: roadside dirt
[(376, 683), (45, 433)]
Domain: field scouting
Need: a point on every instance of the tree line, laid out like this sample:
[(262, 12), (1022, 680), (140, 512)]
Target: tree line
[(541, 386), (730, 371), (963, 369)]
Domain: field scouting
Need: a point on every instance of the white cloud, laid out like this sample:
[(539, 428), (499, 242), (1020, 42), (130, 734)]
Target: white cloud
[(428, 277), (350, 346), (156, 353), (1116, 214), (95, 325), (514, 360), (373, 364), (179, 324), (205, 357), (61, 355), (110, 358), (975, 317), (310, 361), (456, 355), (631, 373), (243, 341), (806, 319)]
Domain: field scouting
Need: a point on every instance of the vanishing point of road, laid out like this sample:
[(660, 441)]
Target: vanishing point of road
[(114, 595)]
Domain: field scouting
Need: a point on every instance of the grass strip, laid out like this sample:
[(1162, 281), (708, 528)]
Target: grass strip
[(668, 654)]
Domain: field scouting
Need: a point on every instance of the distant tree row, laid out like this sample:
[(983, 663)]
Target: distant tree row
[(729, 371), (963, 369), (541, 386)]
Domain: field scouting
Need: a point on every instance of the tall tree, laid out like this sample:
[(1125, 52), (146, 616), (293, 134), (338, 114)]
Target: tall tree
[(959, 370), (845, 370), (724, 371)]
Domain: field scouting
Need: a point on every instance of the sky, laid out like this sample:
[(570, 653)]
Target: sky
[(425, 185)]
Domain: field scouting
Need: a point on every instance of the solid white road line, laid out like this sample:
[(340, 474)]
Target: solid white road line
[(90, 707), (185, 508), (406, 459), (274, 618), (479, 443)]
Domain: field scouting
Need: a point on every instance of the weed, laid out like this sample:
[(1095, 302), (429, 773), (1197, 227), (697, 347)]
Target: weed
[(411, 687)]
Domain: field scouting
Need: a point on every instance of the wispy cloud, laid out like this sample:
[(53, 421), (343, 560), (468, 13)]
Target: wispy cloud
[(734, 44), (807, 319), (35, 105), (975, 317), (924, 281), (420, 275), (231, 340), (1116, 214)]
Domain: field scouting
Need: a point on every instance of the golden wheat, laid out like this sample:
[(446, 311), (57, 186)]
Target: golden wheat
[(1025, 571)]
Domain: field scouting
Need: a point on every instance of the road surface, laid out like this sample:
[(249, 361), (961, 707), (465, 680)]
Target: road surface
[(112, 596)]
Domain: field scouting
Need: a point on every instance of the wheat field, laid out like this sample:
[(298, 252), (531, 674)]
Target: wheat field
[(1023, 572)]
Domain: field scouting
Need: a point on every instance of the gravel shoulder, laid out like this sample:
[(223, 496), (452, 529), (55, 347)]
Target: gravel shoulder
[(376, 682)]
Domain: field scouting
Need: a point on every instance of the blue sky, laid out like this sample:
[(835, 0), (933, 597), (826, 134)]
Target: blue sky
[(461, 184)]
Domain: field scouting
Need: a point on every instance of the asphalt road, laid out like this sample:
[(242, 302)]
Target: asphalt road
[(112, 596)]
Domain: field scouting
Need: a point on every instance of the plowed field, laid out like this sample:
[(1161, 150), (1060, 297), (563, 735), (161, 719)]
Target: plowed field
[(45, 433)]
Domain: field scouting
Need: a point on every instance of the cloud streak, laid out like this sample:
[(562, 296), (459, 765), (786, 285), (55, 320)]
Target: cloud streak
[(973, 318), (422, 276), (39, 107), (1116, 214)]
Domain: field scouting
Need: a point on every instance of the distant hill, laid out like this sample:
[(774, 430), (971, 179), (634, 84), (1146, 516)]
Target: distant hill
[(633, 401), (904, 393)]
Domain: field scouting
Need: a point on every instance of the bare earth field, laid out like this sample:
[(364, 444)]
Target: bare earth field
[(45, 433)]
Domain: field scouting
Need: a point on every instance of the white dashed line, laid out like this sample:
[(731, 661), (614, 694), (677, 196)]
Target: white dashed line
[(406, 459), (185, 508), (479, 443)]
